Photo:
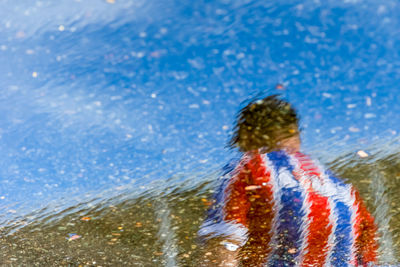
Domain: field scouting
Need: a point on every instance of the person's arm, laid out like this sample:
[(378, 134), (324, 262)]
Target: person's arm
[(223, 250), (366, 233), (221, 253)]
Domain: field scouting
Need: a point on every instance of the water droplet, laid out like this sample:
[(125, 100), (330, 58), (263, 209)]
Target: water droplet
[(354, 129), (362, 154)]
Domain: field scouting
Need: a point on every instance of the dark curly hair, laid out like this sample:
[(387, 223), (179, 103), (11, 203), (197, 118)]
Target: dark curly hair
[(263, 123)]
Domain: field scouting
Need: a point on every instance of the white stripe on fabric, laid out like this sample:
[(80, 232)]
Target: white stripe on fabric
[(232, 231), (354, 218), (333, 219), (276, 194), (306, 207)]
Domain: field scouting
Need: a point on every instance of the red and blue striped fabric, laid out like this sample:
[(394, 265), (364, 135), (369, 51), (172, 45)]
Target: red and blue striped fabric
[(286, 210)]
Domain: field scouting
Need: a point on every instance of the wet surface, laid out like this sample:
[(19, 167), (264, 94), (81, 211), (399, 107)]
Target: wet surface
[(147, 230), (138, 232), (116, 115)]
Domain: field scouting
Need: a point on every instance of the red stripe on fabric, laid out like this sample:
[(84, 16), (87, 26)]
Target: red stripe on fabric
[(319, 230), (356, 229), (366, 230), (236, 202), (307, 165)]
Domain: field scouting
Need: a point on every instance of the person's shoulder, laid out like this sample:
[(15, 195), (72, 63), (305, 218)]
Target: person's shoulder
[(231, 165), (235, 162), (324, 170)]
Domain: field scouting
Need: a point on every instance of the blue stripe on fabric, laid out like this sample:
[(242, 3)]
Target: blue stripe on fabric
[(341, 254), (290, 217), (334, 179)]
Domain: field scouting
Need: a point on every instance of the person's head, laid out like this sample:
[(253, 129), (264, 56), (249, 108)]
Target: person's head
[(269, 124)]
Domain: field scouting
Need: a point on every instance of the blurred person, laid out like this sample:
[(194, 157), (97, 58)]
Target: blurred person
[(278, 207)]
